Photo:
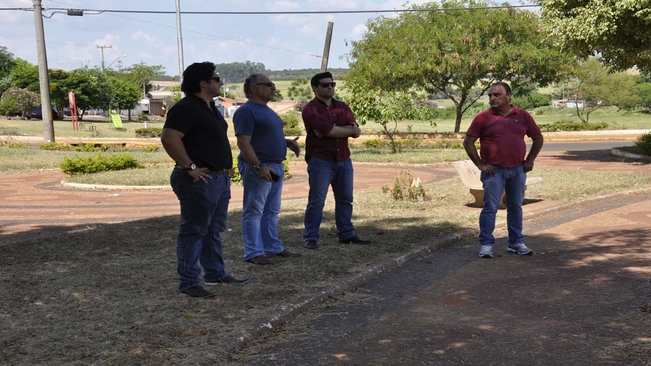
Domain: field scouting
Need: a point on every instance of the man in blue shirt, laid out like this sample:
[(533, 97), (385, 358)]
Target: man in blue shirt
[(263, 148)]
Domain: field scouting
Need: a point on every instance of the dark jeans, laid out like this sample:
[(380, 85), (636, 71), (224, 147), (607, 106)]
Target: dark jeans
[(204, 207), (322, 175)]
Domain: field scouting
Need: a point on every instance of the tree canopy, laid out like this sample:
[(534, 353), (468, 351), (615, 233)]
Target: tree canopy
[(618, 31), (438, 51)]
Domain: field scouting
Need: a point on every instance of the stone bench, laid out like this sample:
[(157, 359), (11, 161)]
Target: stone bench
[(471, 177)]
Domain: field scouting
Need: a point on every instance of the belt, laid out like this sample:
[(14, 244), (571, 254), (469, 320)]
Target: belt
[(223, 171)]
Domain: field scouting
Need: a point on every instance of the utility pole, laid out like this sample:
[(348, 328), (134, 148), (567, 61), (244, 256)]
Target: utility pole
[(102, 49), (43, 77), (179, 40), (326, 48)]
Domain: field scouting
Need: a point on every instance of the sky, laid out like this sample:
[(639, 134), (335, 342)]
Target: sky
[(279, 41)]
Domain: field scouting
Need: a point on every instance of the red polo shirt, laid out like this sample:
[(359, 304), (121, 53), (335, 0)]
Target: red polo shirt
[(502, 137), (317, 116)]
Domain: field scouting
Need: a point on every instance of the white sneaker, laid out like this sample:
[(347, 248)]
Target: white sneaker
[(519, 248), (486, 251)]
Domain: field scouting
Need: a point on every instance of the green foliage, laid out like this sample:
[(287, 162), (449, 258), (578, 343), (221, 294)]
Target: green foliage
[(124, 94), (56, 146), (152, 148), (598, 86), (406, 188), (6, 62), (13, 144), (24, 76), (142, 74), (300, 91), (643, 143), (98, 163), (91, 147), (531, 101), (18, 102), (573, 126), (293, 123), (453, 50), (149, 132), (142, 118), (617, 30)]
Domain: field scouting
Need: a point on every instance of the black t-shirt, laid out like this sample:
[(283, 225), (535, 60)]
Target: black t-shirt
[(205, 132)]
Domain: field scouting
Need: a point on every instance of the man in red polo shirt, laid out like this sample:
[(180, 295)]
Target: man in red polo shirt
[(501, 130), (329, 123)]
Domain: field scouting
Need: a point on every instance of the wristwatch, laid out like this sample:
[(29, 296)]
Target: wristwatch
[(191, 167), (257, 167)]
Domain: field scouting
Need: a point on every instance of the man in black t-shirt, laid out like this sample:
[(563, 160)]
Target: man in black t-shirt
[(195, 136)]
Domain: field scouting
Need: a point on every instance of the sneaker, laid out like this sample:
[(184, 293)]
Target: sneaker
[(198, 291), (519, 248), (486, 251), (228, 279)]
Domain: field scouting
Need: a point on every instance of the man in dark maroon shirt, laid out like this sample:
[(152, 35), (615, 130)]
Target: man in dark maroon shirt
[(501, 130), (329, 123)]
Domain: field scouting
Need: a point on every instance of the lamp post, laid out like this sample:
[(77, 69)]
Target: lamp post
[(112, 62)]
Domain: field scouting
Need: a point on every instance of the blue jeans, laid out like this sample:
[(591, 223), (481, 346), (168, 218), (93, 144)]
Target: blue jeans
[(339, 175), (511, 181), (261, 206), (204, 207)]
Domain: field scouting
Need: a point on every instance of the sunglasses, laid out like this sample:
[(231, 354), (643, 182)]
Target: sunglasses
[(215, 78), (325, 85), (269, 84)]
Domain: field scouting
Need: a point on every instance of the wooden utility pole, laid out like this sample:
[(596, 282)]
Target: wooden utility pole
[(326, 48), (102, 49)]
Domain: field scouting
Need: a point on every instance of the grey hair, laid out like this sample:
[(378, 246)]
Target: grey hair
[(252, 80)]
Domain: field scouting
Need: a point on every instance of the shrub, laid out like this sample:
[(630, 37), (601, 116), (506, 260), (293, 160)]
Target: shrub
[(56, 146), (293, 123), (151, 148), (16, 101), (643, 143), (90, 147), (13, 145), (531, 101), (573, 126), (405, 188), (142, 118), (149, 132), (99, 163)]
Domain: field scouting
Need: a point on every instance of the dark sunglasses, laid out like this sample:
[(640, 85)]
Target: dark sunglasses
[(269, 84), (325, 85), (215, 78)]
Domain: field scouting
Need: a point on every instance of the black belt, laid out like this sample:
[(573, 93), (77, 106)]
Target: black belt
[(222, 171)]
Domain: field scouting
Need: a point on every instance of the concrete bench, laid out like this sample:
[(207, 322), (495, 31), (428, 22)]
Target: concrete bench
[(471, 177)]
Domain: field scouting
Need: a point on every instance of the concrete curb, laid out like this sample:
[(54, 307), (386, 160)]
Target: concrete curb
[(288, 312), (114, 187), (618, 152)]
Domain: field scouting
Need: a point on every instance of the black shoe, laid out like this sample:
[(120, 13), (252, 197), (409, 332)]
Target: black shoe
[(287, 254), (311, 244), (228, 279), (198, 291), (355, 240), (261, 259)]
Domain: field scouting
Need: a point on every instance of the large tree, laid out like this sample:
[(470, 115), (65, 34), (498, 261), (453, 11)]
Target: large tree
[(6, 62), (618, 31), (143, 74), (441, 51), (596, 86)]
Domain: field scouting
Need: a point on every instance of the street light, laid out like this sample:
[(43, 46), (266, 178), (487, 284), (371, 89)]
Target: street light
[(112, 62)]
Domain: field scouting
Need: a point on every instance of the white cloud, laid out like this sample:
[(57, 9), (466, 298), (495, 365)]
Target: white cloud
[(358, 31), (141, 35)]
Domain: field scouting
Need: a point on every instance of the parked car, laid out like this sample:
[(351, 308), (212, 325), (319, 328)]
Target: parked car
[(37, 113)]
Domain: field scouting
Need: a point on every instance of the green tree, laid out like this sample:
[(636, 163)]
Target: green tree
[(300, 91), (24, 76), (142, 74), (59, 89), (6, 63), (124, 94), (598, 87), (616, 30), (387, 109), (91, 89), (438, 51), (643, 91), (16, 101)]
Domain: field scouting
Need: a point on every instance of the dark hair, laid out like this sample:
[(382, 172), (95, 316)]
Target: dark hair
[(322, 75), (251, 80), (194, 74), (506, 86)]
